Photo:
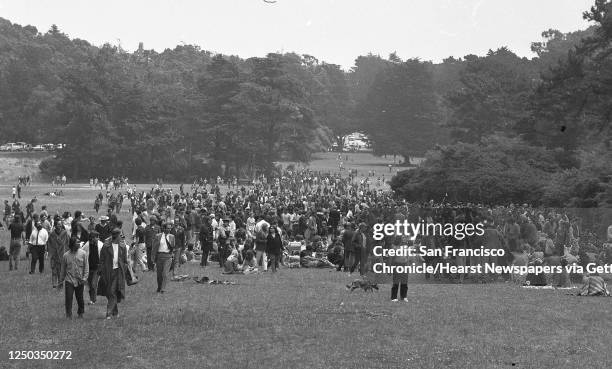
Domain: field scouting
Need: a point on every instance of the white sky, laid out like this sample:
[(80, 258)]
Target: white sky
[(335, 31)]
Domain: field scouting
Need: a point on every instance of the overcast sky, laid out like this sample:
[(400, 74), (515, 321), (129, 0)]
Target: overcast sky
[(335, 31)]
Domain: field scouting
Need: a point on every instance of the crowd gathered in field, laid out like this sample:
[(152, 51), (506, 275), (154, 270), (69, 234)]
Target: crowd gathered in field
[(298, 218)]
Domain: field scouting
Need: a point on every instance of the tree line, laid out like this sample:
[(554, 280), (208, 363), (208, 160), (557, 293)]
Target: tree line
[(495, 127)]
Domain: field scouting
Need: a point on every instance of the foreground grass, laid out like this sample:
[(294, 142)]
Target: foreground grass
[(298, 318), (303, 318)]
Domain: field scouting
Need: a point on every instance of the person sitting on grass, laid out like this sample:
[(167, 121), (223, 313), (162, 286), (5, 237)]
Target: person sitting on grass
[(249, 265), (233, 261), (335, 254)]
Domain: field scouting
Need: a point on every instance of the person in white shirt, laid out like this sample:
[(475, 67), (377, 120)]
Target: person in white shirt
[(163, 248), (38, 243)]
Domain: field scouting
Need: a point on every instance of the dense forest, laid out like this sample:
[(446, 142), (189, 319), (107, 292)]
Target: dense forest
[(495, 127)]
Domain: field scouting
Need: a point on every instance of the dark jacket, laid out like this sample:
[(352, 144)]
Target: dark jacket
[(358, 242), (274, 244), (347, 240), (94, 257), (150, 232), (261, 241), (106, 264), (206, 237)]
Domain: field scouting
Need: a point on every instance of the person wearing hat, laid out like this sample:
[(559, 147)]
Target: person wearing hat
[(113, 264), (163, 248), (103, 229)]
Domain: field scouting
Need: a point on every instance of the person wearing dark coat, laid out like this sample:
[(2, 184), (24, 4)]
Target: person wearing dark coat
[(274, 246), (113, 264), (206, 240), (347, 241), (359, 245)]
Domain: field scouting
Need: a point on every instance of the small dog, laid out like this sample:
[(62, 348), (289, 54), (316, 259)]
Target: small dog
[(363, 284)]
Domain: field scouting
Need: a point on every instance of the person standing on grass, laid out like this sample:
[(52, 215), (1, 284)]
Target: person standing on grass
[(57, 245), (151, 231), (74, 272), (38, 243), (92, 248), (17, 229), (261, 243), (163, 247), (180, 240), (359, 245), (206, 240), (140, 245), (347, 241), (113, 263), (400, 280), (7, 211), (274, 246)]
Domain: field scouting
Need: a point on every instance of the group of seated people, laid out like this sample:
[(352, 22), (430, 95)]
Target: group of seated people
[(296, 254)]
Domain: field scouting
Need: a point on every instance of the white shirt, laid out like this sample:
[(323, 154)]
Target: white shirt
[(86, 247), (115, 256), (163, 246), (39, 237)]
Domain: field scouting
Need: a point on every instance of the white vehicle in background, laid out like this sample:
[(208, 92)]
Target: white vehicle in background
[(24, 146), (49, 147), (4, 147), (12, 146), (38, 148), (60, 146)]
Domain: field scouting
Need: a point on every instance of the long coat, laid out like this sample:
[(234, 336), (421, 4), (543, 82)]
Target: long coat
[(57, 245), (106, 263)]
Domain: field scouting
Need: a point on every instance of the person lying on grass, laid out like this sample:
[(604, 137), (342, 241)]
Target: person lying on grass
[(307, 261)]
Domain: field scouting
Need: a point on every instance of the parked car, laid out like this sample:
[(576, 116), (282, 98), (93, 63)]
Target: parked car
[(4, 147), (22, 146), (60, 146), (49, 147), (12, 146), (38, 148)]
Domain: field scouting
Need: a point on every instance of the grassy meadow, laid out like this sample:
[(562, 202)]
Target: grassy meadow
[(296, 318)]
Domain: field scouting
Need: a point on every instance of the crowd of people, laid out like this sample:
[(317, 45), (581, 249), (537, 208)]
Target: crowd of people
[(297, 218)]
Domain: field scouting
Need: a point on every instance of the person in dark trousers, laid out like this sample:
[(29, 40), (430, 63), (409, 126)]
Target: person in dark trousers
[(93, 248), (113, 264), (163, 248), (38, 244), (206, 240), (16, 228), (347, 242), (400, 280), (359, 246), (74, 273), (151, 231), (274, 246)]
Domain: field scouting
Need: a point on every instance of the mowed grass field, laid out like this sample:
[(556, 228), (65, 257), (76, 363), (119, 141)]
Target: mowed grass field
[(297, 318)]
